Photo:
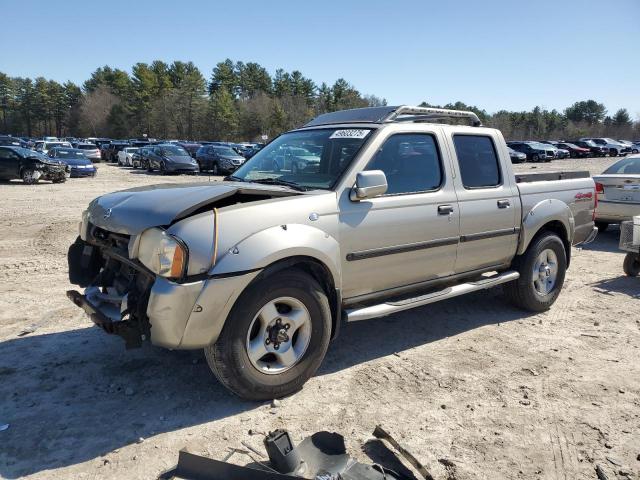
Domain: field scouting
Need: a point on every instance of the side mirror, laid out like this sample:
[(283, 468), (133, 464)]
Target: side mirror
[(369, 184)]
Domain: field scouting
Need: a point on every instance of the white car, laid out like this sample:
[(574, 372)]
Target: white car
[(613, 147), (618, 191), (125, 156), (44, 146), (633, 146), (91, 151)]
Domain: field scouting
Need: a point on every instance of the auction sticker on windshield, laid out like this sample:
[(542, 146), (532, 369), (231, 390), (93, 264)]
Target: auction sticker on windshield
[(351, 133)]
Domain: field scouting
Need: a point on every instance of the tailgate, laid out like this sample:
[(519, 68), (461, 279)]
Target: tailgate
[(620, 188)]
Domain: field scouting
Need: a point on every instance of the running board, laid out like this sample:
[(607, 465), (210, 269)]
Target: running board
[(383, 309)]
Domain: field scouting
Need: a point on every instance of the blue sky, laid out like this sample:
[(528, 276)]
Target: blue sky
[(511, 54)]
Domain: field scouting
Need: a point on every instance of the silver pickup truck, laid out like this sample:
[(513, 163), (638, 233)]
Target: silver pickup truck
[(359, 214)]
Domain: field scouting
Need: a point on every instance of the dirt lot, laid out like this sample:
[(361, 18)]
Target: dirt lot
[(497, 392)]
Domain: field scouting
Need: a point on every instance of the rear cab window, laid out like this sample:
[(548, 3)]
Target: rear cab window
[(478, 161)]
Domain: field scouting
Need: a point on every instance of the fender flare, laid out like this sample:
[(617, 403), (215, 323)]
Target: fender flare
[(268, 246), (544, 213)]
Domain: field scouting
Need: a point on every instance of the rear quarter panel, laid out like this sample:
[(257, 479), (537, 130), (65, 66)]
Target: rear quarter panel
[(570, 202)]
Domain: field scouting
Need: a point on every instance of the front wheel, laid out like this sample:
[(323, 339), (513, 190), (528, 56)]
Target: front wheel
[(542, 270), (275, 337), (30, 177), (631, 265)]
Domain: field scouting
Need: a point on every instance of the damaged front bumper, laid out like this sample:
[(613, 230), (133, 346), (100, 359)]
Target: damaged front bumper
[(126, 299)]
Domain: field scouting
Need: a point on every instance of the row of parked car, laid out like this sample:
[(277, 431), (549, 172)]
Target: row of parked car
[(547, 150)]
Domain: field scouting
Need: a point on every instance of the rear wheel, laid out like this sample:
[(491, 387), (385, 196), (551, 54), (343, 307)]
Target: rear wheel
[(535, 157), (275, 337), (631, 265), (542, 270), (613, 152)]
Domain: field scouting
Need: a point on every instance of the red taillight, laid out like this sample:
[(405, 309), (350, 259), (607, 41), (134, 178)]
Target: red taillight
[(599, 189)]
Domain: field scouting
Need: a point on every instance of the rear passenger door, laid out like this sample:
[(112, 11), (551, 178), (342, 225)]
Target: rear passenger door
[(488, 201)]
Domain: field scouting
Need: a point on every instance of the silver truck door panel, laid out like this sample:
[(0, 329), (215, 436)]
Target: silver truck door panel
[(393, 241), (489, 213), (400, 238)]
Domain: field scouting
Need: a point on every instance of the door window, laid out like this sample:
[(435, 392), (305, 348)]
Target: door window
[(478, 161), (411, 163)]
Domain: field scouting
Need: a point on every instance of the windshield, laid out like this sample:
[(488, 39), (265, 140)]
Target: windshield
[(174, 151), (86, 147), (49, 146), (628, 165), (130, 150), (311, 159), (225, 151), (69, 154)]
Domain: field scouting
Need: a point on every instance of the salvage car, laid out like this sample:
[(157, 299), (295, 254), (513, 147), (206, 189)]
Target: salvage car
[(125, 156), (79, 165), (261, 270), (91, 151), (574, 150), (516, 157), (169, 158), (595, 150), (618, 190), (218, 159), (535, 151), (30, 166), (612, 147)]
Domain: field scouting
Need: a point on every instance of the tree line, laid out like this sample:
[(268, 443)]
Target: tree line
[(239, 101)]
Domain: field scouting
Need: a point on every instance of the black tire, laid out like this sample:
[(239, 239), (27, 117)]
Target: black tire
[(522, 292), (631, 265), (163, 169), (602, 226), (535, 157), (613, 152), (635, 150), (228, 357)]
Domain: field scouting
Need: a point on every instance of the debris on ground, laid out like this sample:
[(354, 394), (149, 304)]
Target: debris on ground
[(322, 456)]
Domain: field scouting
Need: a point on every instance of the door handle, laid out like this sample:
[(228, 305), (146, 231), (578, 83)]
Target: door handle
[(445, 209), (504, 203)]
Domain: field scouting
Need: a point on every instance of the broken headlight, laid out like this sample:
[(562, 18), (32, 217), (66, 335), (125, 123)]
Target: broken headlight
[(162, 253)]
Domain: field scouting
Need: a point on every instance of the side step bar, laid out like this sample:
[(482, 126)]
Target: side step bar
[(387, 308)]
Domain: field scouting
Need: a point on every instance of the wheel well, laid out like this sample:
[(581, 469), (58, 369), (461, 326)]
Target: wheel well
[(559, 229), (321, 274)]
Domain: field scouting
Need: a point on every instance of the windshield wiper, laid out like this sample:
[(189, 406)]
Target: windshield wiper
[(277, 181), (233, 178)]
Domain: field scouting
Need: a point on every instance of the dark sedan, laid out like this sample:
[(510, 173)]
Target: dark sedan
[(30, 166), (191, 147), (79, 164), (170, 158)]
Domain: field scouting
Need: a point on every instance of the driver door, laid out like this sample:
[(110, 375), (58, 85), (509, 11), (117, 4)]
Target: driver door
[(408, 235)]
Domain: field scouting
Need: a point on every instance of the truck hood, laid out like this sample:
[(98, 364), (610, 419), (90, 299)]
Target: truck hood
[(134, 210)]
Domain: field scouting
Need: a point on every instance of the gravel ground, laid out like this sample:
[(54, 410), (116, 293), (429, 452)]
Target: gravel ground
[(471, 386)]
